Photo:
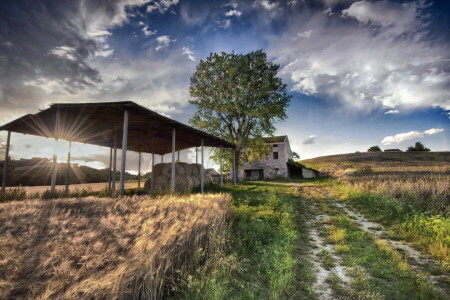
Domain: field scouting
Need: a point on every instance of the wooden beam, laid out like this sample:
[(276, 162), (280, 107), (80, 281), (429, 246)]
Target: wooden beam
[(5, 162), (110, 168), (139, 172), (113, 188), (172, 178), (152, 180), (68, 167), (124, 153)]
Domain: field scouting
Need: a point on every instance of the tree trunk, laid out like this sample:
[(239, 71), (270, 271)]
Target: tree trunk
[(237, 157)]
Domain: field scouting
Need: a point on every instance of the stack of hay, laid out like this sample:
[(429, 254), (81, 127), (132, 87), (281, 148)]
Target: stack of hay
[(187, 177)]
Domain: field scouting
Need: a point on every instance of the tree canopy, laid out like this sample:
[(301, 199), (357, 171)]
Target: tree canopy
[(417, 147), (374, 149), (239, 98)]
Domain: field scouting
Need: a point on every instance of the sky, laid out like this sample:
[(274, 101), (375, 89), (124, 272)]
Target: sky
[(361, 73)]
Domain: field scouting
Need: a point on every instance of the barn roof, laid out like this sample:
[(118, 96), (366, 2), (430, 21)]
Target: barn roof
[(98, 123)]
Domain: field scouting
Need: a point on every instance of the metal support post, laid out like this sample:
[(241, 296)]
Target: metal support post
[(124, 153)]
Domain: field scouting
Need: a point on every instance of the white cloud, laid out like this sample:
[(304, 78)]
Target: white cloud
[(305, 34), (148, 32), (406, 136), (104, 52), (188, 52), (64, 51), (266, 4), (310, 140), (392, 112), (400, 17), (233, 12), (162, 5), (433, 131), (365, 68), (163, 42)]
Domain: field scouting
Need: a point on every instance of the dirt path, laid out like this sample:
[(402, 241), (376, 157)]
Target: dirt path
[(336, 278)]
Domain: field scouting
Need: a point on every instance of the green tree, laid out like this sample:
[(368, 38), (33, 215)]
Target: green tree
[(295, 156), (417, 147), (374, 149), (238, 98)]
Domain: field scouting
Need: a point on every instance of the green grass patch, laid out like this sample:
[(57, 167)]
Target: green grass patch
[(263, 242), (389, 276)]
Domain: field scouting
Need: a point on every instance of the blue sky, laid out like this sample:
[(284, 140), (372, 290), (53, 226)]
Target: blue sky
[(360, 73)]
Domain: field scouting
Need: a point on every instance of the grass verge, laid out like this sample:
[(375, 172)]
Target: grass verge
[(263, 244)]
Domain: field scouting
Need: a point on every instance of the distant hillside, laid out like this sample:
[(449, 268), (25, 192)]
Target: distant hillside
[(334, 163), (37, 171)]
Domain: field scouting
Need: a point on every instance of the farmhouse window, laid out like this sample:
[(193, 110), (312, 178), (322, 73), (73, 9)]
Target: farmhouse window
[(275, 145), (275, 155)]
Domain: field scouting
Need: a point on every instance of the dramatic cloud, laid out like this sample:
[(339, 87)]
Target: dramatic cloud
[(148, 32), (233, 12), (53, 41), (266, 4), (188, 53), (310, 140), (374, 55), (163, 42), (161, 5), (406, 136)]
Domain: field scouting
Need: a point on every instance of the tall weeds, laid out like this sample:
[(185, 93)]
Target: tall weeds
[(91, 248)]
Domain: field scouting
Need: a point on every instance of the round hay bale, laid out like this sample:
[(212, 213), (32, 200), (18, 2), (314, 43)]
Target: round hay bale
[(183, 184), (196, 180), (148, 185), (187, 168), (179, 169), (162, 183), (158, 168), (196, 169)]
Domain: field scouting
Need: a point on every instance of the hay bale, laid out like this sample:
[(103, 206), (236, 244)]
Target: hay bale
[(187, 168), (162, 183), (196, 180), (183, 184), (196, 169), (158, 168), (179, 169), (148, 185)]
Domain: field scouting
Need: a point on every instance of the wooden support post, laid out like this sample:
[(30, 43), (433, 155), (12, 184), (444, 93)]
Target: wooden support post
[(139, 172), (172, 178), (5, 162), (124, 153), (110, 168), (202, 173), (114, 173), (196, 155), (55, 167), (152, 179), (162, 158), (234, 167), (68, 167), (221, 175), (178, 160), (54, 171)]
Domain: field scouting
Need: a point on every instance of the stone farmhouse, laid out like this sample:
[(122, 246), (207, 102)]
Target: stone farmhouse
[(276, 163)]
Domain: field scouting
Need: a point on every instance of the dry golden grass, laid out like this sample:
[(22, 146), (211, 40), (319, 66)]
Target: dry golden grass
[(90, 248), (94, 187), (422, 179)]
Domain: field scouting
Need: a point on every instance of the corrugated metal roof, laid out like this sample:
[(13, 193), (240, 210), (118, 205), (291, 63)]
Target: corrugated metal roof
[(98, 123)]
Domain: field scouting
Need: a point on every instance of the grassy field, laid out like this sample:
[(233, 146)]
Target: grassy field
[(102, 248), (408, 192)]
